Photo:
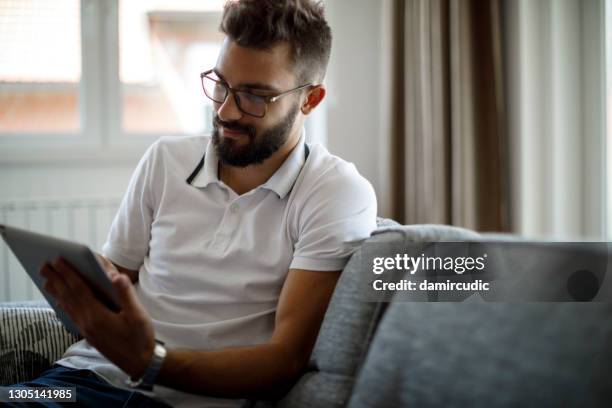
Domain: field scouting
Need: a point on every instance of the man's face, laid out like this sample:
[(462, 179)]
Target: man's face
[(239, 139)]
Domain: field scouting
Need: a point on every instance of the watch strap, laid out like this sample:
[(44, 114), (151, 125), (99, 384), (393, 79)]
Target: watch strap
[(147, 380)]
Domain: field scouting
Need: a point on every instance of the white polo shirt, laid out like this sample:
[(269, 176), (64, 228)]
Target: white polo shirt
[(212, 263)]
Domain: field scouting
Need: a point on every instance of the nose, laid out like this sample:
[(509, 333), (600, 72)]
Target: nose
[(228, 111)]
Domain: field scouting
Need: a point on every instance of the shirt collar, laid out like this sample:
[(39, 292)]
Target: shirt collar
[(281, 181), (284, 178), (210, 171)]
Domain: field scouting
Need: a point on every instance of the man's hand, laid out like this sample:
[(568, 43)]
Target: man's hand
[(109, 267), (126, 338), (112, 269)]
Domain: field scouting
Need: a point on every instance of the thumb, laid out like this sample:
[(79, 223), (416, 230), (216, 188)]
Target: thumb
[(127, 294)]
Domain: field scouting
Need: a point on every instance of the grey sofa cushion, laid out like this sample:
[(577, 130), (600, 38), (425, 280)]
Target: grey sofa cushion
[(31, 338), (489, 354), (350, 322), (428, 233)]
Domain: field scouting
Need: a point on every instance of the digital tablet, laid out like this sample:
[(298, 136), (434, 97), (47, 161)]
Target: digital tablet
[(33, 250)]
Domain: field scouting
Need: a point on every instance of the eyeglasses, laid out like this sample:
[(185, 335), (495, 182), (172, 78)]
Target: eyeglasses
[(249, 103)]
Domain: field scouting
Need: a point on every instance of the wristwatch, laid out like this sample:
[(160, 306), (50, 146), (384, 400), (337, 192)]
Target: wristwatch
[(147, 380)]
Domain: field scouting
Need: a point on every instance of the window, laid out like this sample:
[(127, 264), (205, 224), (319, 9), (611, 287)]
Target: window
[(162, 50), (107, 74), (39, 81)]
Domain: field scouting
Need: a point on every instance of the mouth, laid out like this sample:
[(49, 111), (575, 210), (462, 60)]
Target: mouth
[(233, 134)]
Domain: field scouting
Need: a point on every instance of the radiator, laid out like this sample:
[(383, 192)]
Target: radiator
[(84, 220)]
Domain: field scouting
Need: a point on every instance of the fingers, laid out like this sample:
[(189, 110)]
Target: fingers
[(54, 282), (95, 321), (71, 292), (127, 295), (56, 286), (108, 266), (71, 277)]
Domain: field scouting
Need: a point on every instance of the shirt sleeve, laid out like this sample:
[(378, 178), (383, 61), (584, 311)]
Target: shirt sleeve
[(128, 239), (338, 215)]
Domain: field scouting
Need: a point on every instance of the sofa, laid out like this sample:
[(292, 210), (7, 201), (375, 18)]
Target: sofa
[(396, 353)]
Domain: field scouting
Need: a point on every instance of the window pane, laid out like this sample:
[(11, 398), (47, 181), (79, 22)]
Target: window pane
[(163, 48), (40, 66)]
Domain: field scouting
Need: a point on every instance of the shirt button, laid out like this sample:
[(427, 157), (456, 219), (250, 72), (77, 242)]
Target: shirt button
[(234, 208)]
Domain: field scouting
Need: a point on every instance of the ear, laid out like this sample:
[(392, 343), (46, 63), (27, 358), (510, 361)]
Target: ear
[(314, 97)]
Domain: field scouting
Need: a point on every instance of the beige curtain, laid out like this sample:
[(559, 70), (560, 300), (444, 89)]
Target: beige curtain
[(449, 161)]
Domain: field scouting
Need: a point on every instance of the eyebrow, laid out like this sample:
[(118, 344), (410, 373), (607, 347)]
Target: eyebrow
[(250, 85)]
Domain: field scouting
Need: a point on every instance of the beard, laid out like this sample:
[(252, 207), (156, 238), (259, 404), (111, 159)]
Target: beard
[(259, 147)]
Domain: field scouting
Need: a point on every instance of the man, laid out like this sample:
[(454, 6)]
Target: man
[(224, 253)]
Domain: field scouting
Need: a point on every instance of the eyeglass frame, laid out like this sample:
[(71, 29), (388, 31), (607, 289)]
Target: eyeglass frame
[(266, 98)]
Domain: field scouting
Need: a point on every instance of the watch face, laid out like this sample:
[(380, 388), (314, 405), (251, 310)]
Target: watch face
[(159, 351)]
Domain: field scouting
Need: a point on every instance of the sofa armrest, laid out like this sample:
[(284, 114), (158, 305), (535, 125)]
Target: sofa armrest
[(31, 339)]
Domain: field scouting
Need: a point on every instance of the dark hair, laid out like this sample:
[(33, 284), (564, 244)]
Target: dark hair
[(262, 24)]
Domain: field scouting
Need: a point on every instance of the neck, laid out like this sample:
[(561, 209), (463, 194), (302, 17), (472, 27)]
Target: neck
[(245, 179)]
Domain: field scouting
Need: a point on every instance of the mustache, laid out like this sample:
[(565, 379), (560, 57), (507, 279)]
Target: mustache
[(249, 130)]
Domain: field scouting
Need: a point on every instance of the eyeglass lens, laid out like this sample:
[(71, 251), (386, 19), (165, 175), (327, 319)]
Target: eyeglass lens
[(247, 102)]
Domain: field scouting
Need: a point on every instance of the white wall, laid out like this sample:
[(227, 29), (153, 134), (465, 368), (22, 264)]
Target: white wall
[(357, 80)]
